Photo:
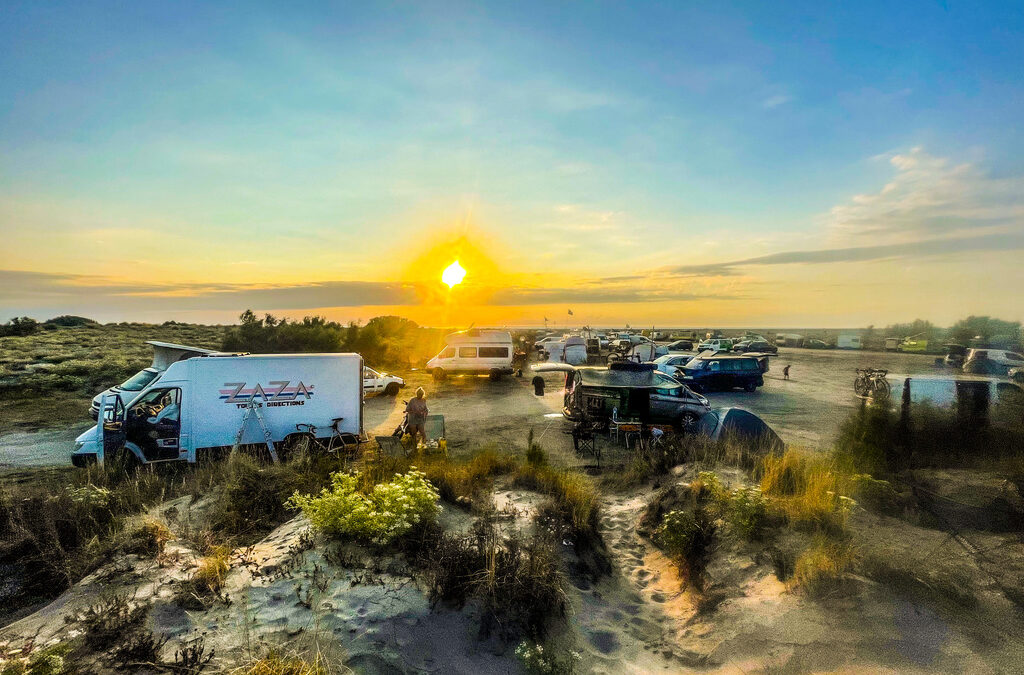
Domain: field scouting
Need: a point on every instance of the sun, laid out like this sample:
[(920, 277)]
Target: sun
[(453, 274)]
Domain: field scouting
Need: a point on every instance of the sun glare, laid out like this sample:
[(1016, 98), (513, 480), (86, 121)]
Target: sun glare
[(453, 274)]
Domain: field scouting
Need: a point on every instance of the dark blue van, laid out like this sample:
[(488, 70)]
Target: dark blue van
[(722, 371)]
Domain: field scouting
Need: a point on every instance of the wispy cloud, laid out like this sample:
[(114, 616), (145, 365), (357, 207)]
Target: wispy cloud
[(775, 101), (929, 196), (916, 249)]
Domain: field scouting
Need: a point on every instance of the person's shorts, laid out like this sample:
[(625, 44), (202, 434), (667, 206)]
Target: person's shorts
[(413, 429)]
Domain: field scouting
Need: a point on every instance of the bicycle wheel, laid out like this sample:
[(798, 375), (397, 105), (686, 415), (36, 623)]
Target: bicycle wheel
[(861, 387), (881, 390)]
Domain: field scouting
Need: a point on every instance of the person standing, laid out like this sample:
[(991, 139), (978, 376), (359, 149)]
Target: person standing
[(416, 411), (785, 372)]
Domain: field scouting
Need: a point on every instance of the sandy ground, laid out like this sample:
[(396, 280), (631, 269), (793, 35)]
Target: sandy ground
[(805, 410), (368, 612)]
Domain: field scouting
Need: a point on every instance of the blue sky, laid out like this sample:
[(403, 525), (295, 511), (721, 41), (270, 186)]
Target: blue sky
[(213, 150)]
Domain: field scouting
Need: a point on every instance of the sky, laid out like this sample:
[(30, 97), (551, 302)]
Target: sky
[(675, 164)]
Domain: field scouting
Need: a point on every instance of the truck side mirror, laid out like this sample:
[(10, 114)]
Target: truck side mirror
[(538, 385)]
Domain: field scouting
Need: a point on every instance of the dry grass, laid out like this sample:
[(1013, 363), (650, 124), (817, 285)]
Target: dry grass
[(822, 570), (278, 663), (808, 489)]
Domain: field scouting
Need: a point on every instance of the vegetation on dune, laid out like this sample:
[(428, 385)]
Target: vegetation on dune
[(385, 341)]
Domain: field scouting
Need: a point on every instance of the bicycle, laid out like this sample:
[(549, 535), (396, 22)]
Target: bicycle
[(339, 440), (872, 383)]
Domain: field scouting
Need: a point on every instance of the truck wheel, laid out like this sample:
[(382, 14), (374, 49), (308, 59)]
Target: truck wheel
[(391, 389), (125, 461), (439, 374), (750, 386), (495, 375)]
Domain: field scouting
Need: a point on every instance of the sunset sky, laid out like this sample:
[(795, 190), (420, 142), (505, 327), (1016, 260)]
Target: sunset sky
[(727, 164)]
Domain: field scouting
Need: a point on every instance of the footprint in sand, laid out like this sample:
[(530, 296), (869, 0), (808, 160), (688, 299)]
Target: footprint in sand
[(658, 596)]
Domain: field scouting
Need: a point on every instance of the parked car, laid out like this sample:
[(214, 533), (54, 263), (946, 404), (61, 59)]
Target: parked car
[(815, 344), (628, 391), (720, 371), (1003, 357), (955, 355), (681, 346), (381, 383), (759, 346), (669, 363), (715, 345)]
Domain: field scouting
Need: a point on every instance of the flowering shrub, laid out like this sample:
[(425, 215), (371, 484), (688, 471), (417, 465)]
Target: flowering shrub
[(389, 511), (748, 511), (538, 662)]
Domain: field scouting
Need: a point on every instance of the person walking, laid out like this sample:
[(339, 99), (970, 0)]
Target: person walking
[(785, 372), (416, 410)]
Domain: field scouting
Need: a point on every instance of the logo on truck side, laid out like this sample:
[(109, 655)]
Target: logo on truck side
[(276, 393)]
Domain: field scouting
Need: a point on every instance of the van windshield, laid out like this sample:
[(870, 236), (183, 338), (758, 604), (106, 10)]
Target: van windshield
[(139, 380)]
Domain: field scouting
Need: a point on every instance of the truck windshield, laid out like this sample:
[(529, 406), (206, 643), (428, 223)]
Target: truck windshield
[(139, 380)]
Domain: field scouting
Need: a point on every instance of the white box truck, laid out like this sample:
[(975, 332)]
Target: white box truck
[(198, 406)]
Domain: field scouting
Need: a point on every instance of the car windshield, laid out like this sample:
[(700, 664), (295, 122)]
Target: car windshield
[(139, 380)]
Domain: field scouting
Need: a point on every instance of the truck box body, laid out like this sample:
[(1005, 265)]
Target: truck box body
[(212, 395)]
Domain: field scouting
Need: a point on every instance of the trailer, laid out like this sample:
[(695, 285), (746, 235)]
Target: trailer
[(202, 406), (849, 341)]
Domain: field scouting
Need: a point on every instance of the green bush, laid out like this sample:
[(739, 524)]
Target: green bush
[(389, 511), (537, 661), (747, 511), (687, 537)]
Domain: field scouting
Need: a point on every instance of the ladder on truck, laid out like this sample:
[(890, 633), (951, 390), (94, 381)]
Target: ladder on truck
[(253, 410)]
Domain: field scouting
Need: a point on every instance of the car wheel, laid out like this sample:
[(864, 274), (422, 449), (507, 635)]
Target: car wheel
[(439, 374), (495, 375), (391, 389), (688, 421), (125, 461), (750, 386)]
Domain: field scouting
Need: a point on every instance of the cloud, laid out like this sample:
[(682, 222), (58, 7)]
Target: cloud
[(39, 292), (925, 248), (932, 196), (775, 101)]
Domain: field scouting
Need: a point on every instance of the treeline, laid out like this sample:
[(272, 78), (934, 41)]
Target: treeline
[(24, 325), (982, 329), (385, 341)]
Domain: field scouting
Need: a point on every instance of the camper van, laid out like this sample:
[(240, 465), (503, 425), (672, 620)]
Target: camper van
[(849, 341), (476, 352), (164, 354), (203, 405)]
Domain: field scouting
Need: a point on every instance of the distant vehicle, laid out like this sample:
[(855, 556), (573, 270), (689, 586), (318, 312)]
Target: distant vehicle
[(542, 344), (669, 363), (815, 344), (955, 355), (849, 341), (739, 425), (759, 346), (164, 354), (720, 371), (375, 382), (1017, 375), (789, 340), (968, 394), (575, 351), (474, 351), (630, 391), (198, 406), (715, 344), (892, 344), (1003, 357), (646, 351), (681, 346)]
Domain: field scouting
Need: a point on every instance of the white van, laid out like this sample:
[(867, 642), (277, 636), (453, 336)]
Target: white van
[(164, 354), (198, 406), (476, 352)]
